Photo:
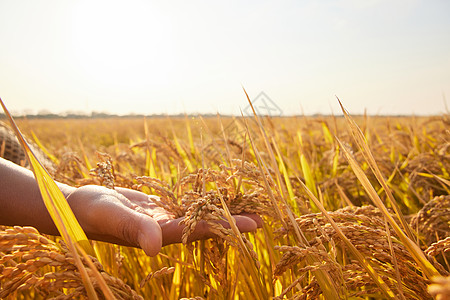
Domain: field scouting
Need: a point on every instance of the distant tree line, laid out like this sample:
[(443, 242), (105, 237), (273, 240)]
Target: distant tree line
[(103, 115), (98, 115)]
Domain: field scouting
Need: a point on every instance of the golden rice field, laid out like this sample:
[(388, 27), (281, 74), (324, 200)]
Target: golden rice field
[(348, 213)]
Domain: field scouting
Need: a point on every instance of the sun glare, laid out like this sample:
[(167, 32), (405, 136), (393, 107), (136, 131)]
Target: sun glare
[(125, 44)]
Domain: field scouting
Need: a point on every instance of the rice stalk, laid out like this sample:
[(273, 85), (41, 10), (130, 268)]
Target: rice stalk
[(361, 141), (416, 252), (323, 277)]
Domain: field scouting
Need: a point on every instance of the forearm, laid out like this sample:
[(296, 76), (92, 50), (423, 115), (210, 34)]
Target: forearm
[(20, 199)]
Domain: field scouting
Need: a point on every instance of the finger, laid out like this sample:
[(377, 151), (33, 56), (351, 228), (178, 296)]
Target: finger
[(245, 223), (133, 194), (149, 236), (172, 232), (137, 196), (254, 217), (141, 202), (201, 232)]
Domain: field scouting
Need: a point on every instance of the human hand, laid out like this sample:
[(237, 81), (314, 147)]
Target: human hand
[(129, 217)]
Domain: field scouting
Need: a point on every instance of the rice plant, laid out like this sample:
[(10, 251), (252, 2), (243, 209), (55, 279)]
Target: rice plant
[(353, 208)]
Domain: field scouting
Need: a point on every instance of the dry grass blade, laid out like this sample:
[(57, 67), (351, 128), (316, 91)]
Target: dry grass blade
[(445, 181), (273, 160), (48, 154), (286, 176), (183, 153), (227, 148), (343, 195), (269, 190)]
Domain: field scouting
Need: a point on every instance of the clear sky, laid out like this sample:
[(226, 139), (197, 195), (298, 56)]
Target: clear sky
[(152, 57)]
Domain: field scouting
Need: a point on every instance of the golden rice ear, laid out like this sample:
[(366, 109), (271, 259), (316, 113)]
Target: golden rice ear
[(26, 257), (432, 221)]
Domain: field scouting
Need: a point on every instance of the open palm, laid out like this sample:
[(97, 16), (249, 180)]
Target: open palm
[(131, 218)]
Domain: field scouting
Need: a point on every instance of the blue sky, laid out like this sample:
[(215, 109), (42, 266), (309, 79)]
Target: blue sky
[(386, 57)]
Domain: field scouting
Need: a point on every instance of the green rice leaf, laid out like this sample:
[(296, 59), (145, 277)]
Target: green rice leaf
[(309, 178), (327, 133), (183, 154), (38, 142)]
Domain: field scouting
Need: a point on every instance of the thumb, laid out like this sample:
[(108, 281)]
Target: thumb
[(149, 235), (127, 227), (106, 215), (137, 229)]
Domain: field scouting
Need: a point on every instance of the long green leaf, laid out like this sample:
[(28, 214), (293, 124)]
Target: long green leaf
[(309, 178), (49, 155), (183, 154)]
